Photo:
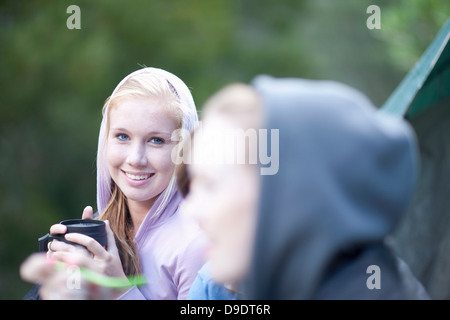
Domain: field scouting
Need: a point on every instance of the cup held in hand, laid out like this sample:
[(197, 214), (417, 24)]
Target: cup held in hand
[(93, 228)]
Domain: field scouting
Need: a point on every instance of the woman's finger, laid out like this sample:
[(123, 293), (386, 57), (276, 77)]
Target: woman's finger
[(56, 245), (89, 243), (58, 229), (88, 213)]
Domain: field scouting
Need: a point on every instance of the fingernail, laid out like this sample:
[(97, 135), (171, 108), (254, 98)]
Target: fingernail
[(67, 236)]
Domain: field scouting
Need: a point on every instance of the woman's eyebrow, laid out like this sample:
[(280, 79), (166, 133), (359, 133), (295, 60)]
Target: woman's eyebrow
[(150, 133), (119, 129)]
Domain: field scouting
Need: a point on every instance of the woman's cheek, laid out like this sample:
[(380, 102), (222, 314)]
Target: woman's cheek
[(161, 161), (115, 156)]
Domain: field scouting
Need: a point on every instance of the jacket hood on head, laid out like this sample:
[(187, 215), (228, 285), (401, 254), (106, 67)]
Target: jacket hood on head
[(346, 176), (189, 122)]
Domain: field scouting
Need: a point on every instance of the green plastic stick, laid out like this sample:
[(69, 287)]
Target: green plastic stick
[(112, 282), (107, 281)]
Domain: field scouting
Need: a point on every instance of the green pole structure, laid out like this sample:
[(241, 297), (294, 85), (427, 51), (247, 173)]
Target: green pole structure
[(423, 98), (426, 83)]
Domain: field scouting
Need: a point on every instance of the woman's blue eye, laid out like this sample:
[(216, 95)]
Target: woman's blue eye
[(157, 140), (122, 137)]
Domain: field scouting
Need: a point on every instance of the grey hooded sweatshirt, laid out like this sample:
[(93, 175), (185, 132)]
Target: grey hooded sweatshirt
[(346, 176)]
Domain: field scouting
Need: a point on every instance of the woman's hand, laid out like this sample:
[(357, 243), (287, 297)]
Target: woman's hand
[(88, 213), (101, 260), (60, 274), (106, 261), (63, 280), (96, 258)]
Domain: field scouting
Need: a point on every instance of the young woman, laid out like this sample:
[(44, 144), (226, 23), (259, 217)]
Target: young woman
[(137, 192)]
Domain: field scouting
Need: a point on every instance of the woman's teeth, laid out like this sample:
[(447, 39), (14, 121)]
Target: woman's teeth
[(138, 177)]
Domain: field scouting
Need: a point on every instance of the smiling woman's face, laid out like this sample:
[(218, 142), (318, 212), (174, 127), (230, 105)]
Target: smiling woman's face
[(139, 148)]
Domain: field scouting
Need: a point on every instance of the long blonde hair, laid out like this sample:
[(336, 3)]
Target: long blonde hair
[(170, 91)]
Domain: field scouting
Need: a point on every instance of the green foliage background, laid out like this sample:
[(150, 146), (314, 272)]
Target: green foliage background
[(53, 81)]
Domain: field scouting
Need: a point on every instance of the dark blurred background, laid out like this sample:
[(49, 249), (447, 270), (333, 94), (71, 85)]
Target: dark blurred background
[(53, 81)]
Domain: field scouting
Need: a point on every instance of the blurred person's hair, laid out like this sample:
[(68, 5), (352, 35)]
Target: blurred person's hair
[(238, 102), (183, 179)]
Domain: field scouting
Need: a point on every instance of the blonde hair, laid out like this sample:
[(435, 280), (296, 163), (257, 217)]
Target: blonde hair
[(149, 83), (238, 102)]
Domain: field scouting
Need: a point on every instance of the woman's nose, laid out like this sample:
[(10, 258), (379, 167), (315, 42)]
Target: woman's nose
[(137, 156)]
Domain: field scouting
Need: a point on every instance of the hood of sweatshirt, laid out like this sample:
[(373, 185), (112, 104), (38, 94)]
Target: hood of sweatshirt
[(346, 176)]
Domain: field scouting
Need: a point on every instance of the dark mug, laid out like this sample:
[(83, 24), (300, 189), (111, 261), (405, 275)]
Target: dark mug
[(93, 228)]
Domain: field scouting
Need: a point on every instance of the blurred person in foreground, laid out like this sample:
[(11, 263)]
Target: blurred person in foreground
[(311, 225)]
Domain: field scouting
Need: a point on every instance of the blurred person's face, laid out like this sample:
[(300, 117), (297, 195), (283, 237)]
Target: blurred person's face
[(223, 198), (139, 148)]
